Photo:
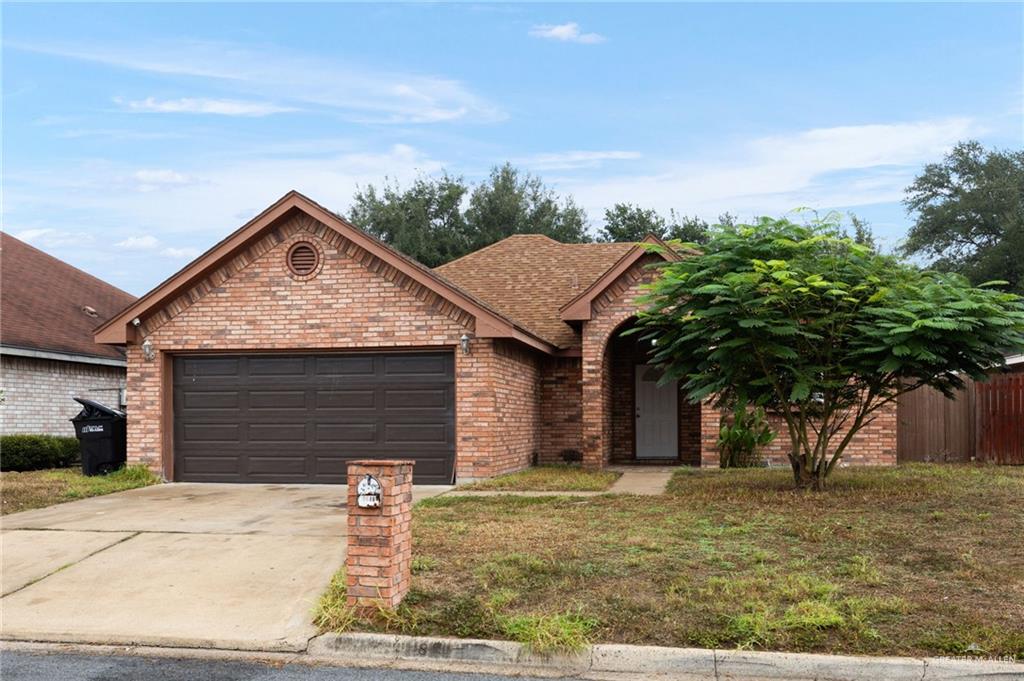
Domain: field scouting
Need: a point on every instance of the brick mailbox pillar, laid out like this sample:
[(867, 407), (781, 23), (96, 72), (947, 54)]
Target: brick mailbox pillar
[(378, 564)]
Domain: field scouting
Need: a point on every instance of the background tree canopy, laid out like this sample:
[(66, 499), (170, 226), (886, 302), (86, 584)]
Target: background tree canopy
[(431, 222), (626, 222), (970, 214)]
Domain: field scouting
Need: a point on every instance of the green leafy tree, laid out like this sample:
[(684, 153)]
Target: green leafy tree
[(625, 222), (511, 202), (804, 322), (970, 214), (862, 232), (424, 221)]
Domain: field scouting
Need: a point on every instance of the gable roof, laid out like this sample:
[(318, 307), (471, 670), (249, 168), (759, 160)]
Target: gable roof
[(528, 277), (580, 308), (490, 323), (46, 303)]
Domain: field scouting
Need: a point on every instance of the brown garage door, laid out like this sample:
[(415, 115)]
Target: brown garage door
[(299, 418)]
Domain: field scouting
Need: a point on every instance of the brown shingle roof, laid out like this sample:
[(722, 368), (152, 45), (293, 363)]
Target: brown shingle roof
[(43, 300), (528, 277)]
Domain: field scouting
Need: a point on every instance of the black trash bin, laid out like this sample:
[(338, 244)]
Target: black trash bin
[(102, 437)]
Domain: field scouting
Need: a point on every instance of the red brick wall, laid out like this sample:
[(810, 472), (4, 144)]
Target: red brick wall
[(253, 303), (561, 410), (874, 445), (499, 383)]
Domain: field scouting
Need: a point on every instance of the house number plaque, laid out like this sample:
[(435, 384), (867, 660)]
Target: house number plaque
[(368, 492)]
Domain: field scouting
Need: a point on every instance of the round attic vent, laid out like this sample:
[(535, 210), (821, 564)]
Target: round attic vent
[(303, 259)]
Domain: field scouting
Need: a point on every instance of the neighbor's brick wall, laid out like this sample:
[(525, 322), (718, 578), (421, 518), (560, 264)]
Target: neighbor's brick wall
[(561, 410), (37, 393), (356, 301)]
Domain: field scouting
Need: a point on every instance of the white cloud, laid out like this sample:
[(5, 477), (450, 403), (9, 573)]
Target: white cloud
[(139, 243), (822, 168), (202, 105), (569, 32), (152, 180), (180, 253), (47, 237), (150, 244), (362, 93), (569, 160)]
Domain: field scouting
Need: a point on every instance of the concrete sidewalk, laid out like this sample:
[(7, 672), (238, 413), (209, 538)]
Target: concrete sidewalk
[(642, 480), (182, 564)]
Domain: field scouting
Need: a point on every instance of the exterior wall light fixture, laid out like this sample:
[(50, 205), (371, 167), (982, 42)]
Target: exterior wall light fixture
[(464, 344), (148, 351)]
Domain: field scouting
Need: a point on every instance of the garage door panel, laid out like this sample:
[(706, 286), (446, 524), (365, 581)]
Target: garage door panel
[(364, 398), (416, 365), (208, 366), (276, 366), (211, 432), (277, 400), (436, 398), (210, 465), (415, 433), (276, 432), (346, 433), (300, 418), (352, 365), (278, 466), (219, 400)]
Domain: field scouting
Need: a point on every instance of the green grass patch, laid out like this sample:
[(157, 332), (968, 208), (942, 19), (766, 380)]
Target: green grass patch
[(37, 489), (332, 612), (733, 559), (560, 478), (559, 633)]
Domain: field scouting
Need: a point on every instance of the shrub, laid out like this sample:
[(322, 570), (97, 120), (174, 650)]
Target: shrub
[(740, 440), (35, 452)]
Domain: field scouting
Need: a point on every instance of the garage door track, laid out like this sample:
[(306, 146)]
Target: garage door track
[(183, 564)]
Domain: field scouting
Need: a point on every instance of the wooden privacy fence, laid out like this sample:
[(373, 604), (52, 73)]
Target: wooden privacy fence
[(984, 422), (999, 409)]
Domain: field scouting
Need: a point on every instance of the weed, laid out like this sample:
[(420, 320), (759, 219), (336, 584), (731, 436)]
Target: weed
[(862, 569), (421, 564), (332, 612), (546, 634)]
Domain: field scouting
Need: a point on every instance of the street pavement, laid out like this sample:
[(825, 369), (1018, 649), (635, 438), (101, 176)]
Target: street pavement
[(23, 666)]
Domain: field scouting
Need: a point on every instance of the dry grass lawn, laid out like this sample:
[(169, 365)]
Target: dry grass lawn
[(560, 478), (36, 489), (919, 560)]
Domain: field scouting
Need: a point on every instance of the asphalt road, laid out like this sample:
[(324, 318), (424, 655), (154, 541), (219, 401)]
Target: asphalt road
[(21, 666)]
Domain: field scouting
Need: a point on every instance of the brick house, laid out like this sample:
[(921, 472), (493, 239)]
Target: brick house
[(47, 352), (300, 342)]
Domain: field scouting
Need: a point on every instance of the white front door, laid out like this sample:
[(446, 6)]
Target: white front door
[(657, 413)]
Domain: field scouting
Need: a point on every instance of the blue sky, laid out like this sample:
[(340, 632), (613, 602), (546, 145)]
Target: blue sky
[(136, 136)]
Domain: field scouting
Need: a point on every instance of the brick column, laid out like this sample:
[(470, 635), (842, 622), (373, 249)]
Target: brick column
[(710, 425), (380, 539)]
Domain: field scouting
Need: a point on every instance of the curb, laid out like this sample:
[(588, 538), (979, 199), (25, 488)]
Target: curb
[(614, 661)]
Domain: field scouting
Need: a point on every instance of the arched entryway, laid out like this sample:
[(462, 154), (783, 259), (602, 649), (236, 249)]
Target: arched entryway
[(650, 423)]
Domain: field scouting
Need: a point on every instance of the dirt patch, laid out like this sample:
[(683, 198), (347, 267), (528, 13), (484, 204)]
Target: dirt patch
[(548, 479)]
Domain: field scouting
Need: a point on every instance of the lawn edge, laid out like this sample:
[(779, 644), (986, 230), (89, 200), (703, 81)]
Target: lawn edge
[(483, 656)]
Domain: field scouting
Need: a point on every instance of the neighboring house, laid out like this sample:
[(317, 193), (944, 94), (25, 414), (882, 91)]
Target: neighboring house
[(48, 313), (299, 342)]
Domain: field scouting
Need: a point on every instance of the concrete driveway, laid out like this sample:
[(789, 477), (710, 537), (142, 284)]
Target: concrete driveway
[(181, 564)]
